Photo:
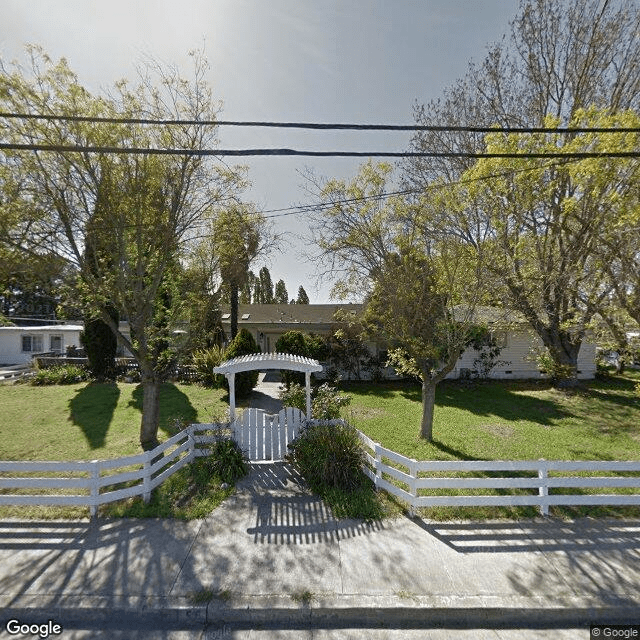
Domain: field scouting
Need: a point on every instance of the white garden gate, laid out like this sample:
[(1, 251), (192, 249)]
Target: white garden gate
[(265, 437), (262, 436)]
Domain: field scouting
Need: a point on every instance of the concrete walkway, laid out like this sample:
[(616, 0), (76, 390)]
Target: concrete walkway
[(265, 393), (273, 556)]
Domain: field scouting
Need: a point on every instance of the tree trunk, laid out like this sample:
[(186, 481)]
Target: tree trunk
[(234, 310), (565, 358), (428, 404), (150, 413)]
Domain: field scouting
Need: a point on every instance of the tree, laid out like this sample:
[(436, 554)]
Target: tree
[(302, 298), (143, 206), (565, 63), (420, 290), (281, 296), (545, 223), (266, 286), (412, 305), (238, 235)]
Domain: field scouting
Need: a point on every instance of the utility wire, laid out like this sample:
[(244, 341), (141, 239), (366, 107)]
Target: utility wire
[(308, 152), (319, 125)]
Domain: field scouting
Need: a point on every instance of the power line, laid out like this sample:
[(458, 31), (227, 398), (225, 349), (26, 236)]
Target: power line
[(322, 126), (312, 153)]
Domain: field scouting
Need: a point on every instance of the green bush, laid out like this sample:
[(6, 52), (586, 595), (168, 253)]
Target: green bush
[(227, 460), (326, 401), (292, 342), (204, 360), (62, 374), (243, 344), (328, 457)]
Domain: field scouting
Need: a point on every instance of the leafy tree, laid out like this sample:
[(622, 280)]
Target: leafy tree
[(544, 225), (143, 206), (411, 306), (564, 63), (302, 298), (281, 296)]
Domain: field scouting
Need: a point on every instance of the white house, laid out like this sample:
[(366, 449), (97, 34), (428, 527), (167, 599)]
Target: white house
[(19, 344), (267, 322)]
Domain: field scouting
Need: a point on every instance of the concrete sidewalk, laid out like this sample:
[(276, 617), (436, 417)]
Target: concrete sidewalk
[(274, 555)]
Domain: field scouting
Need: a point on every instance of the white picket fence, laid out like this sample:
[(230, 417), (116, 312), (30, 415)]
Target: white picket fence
[(542, 477), (265, 437), (93, 483)]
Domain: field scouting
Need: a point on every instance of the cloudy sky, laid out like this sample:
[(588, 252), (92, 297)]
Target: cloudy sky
[(363, 61)]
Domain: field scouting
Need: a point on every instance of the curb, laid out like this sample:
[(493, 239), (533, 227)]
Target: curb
[(326, 612)]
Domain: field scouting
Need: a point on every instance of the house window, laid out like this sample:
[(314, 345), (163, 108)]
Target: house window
[(55, 344), (32, 344), (501, 338)]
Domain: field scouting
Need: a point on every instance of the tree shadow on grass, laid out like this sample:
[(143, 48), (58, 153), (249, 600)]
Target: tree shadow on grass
[(92, 409), (176, 410), (500, 399)]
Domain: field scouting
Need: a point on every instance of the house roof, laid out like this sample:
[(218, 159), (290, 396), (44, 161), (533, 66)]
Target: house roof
[(288, 314), (48, 328), (311, 315)]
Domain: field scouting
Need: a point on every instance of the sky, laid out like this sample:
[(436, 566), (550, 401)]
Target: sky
[(364, 61)]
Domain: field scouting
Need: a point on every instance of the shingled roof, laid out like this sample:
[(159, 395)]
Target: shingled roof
[(289, 314)]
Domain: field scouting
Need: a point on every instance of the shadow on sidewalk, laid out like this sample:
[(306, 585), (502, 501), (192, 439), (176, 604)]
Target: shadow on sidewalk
[(536, 535), (287, 513)]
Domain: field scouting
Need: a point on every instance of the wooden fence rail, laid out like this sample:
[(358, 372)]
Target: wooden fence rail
[(91, 484), (535, 480)]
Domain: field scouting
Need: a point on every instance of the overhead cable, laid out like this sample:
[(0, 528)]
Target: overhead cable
[(322, 126), (308, 152)]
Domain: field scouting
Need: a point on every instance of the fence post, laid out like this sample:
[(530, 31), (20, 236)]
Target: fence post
[(413, 487), (94, 490), (378, 465), (543, 489), (146, 477)]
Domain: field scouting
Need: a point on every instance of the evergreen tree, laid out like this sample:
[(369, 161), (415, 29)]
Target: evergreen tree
[(281, 295), (302, 298), (266, 286)]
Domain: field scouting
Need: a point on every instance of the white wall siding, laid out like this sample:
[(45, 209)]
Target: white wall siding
[(11, 341), (516, 360)]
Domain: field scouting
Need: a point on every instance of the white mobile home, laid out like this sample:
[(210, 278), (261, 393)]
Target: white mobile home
[(18, 345)]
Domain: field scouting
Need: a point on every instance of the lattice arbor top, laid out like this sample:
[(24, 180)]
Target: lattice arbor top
[(262, 361), (268, 361)]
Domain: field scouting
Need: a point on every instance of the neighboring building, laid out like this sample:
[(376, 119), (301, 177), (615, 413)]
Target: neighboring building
[(267, 322), (19, 344)]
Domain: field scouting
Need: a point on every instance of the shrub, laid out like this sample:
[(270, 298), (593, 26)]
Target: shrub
[(328, 457), (227, 460), (204, 360), (292, 342), (243, 344), (62, 374), (326, 401)]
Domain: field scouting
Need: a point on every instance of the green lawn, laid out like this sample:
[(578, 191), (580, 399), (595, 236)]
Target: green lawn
[(93, 421), (502, 421), (505, 420)]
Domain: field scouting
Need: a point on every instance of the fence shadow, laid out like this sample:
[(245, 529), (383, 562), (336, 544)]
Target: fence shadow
[(287, 514), (521, 536)]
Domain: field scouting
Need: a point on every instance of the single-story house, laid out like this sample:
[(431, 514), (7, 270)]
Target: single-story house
[(267, 322), (18, 345)]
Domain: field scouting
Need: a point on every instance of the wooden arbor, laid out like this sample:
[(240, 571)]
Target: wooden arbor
[(262, 361)]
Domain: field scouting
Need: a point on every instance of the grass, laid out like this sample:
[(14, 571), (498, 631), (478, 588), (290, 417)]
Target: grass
[(102, 421), (507, 420), (93, 421)]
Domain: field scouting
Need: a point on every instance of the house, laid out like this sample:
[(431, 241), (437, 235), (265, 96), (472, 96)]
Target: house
[(18, 345), (267, 322)]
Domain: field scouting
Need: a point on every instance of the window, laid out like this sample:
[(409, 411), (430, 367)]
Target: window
[(55, 344), (32, 344)]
